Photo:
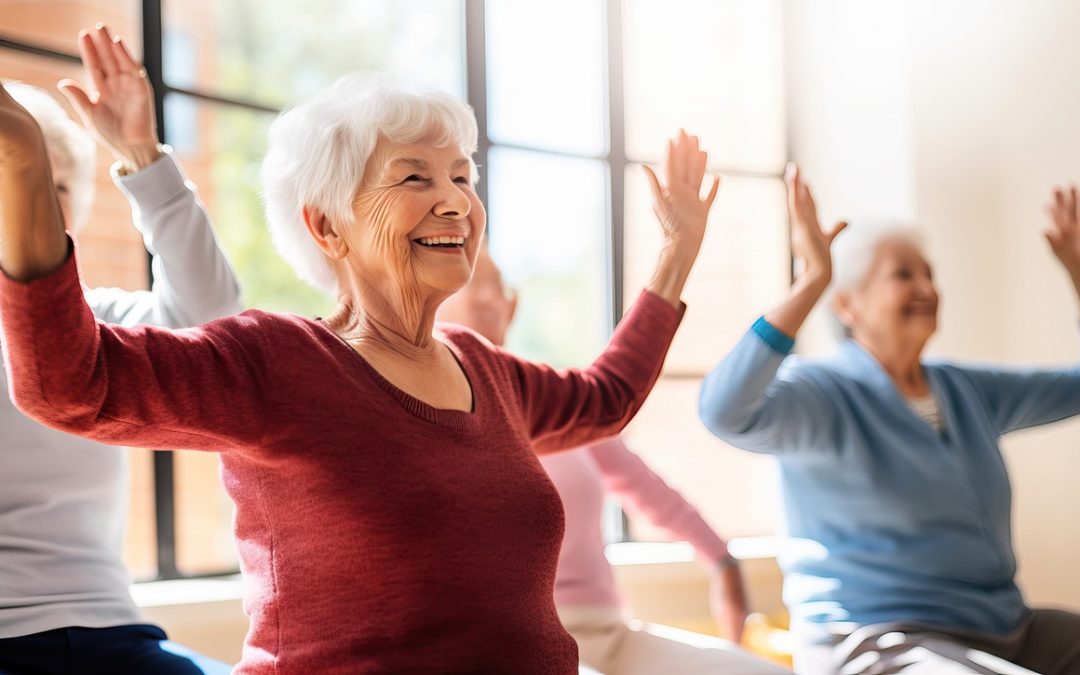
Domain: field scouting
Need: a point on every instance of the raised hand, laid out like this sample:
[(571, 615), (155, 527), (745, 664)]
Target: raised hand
[(678, 204), (118, 108), (32, 239), (682, 214), (22, 147), (812, 247), (1063, 233), (809, 243)]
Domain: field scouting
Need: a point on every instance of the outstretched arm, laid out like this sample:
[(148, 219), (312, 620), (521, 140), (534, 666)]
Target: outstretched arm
[(1025, 397), (748, 400), (564, 409), (193, 281)]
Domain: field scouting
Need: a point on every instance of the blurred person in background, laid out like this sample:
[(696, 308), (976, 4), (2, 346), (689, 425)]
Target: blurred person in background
[(896, 494), (64, 600), (588, 601)]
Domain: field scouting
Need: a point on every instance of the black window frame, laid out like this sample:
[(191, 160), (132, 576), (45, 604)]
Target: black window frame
[(475, 66)]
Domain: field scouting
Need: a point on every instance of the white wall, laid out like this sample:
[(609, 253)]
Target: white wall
[(961, 115)]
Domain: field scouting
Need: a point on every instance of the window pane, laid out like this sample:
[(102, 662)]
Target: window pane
[(204, 538), (54, 24), (140, 540), (545, 65), (735, 491), (712, 67), (548, 226), (741, 272), (287, 52), (221, 148)]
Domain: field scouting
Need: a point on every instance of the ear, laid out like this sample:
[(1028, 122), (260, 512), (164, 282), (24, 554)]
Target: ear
[(324, 233), (842, 308)]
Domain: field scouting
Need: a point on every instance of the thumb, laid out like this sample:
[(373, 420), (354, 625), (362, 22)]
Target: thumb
[(78, 98), (654, 183), (837, 229)]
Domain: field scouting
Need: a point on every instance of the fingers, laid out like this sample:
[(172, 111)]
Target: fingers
[(103, 42), (712, 192), (91, 61), (78, 98), (123, 56), (837, 229)]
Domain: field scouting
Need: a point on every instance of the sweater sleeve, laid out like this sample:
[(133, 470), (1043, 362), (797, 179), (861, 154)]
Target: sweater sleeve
[(200, 388), (643, 493), (573, 407), (193, 281), (750, 402), (1018, 398)]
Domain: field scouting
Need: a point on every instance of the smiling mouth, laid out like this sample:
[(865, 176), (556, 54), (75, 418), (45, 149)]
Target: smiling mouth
[(441, 242)]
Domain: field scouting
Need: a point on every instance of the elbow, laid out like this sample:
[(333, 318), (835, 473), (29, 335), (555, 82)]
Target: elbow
[(720, 420), (66, 413), (720, 415)]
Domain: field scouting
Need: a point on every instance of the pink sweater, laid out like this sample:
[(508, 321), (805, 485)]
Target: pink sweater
[(581, 477), (377, 534)]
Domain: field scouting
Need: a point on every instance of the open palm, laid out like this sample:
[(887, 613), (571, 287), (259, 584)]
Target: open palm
[(678, 203), (809, 242), (119, 107), (1063, 234)]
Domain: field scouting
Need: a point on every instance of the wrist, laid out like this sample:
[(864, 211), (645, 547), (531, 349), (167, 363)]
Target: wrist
[(670, 275), (137, 157)]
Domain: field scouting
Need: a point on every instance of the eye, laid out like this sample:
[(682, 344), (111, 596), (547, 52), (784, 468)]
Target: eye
[(62, 188), (462, 180), (414, 178)]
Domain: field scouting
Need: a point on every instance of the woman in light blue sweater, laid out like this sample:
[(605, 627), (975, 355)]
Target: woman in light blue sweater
[(896, 494)]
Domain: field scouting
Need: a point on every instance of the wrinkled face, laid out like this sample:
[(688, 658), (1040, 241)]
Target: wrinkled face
[(418, 222), (898, 300), (484, 304)]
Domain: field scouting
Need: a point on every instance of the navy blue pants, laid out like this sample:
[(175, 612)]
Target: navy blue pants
[(120, 650)]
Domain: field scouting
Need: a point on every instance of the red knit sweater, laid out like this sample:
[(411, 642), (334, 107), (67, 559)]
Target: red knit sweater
[(377, 534)]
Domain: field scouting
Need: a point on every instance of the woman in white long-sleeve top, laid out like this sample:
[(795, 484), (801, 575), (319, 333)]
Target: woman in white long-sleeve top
[(896, 494), (64, 601)]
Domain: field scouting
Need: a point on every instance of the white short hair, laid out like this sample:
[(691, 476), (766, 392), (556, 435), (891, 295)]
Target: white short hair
[(67, 144), (317, 152), (854, 250)]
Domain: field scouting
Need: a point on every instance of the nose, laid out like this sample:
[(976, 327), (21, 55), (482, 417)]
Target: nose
[(453, 202)]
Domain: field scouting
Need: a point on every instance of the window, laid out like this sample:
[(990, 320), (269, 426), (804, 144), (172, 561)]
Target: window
[(571, 96), (714, 67)]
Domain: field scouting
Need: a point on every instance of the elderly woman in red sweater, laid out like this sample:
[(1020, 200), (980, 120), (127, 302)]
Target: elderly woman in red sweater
[(391, 515)]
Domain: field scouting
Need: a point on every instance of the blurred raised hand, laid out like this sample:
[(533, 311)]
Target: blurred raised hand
[(117, 107)]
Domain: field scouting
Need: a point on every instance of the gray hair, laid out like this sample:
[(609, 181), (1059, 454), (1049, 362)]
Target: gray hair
[(853, 254), (67, 143), (318, 150)]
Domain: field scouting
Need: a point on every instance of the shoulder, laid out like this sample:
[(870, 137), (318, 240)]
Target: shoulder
[(469, 344)]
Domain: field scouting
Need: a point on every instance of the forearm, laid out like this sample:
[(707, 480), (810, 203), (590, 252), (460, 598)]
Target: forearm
[(32, 238), (789, 316), (569, 408), (193, 281), (672, 270)]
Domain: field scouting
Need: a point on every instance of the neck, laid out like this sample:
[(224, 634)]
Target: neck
[(900, 360), (401, 326)]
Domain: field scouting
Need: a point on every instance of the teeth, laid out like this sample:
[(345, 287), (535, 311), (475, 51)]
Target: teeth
[(432, 241)]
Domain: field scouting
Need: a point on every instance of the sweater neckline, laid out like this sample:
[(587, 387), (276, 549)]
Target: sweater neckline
[(445, 417)]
